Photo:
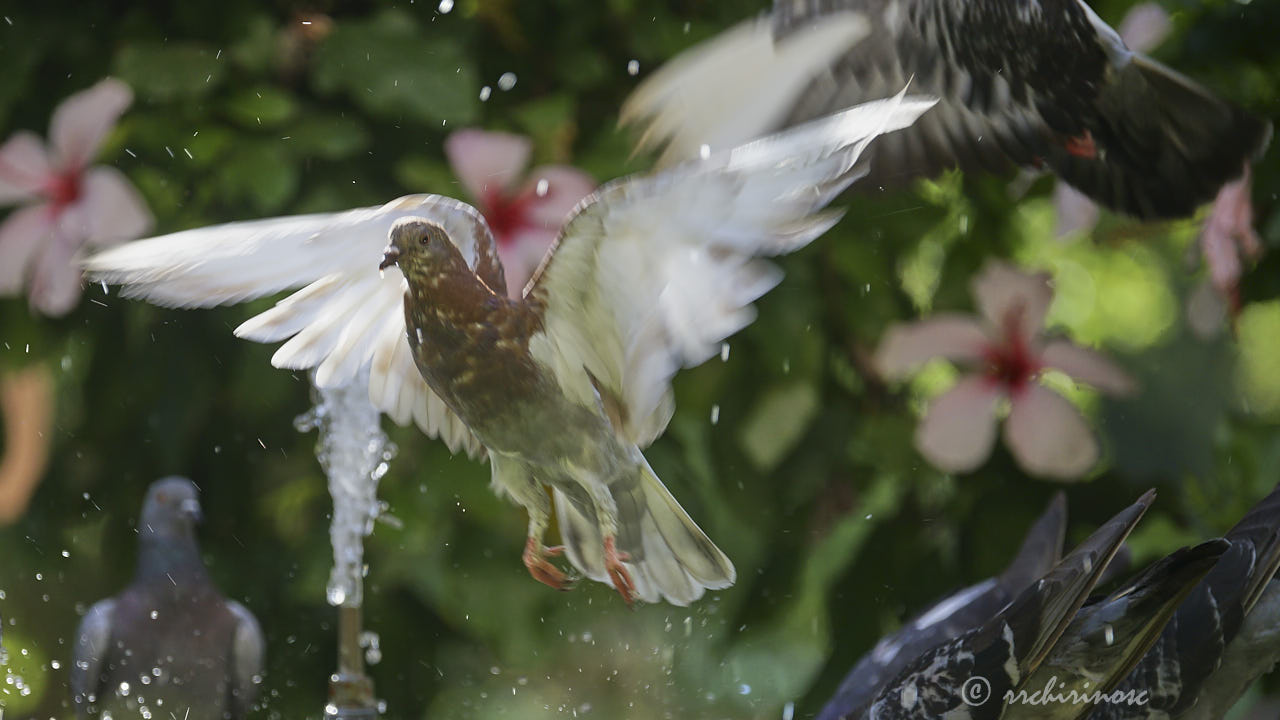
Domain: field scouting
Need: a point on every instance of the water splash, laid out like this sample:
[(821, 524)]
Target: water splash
[(355, 454)]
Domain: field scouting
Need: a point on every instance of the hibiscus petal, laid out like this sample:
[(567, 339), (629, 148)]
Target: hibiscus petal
[(565, 187), (55, 279), (1001, 289), (21, 235), (1087, 366), (1144, 27), (1228, 232), (959, 428), (114, 210), (83, 120), (521, 257), (1048, 436), (24, 167), (905, 347), (487, 162)]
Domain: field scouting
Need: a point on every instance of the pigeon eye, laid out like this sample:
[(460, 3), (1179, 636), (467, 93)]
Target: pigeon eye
[(425, 240)]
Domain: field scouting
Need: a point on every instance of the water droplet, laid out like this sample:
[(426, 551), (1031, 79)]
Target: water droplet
[(715, 414), (485, 92), (507, 81), (704, 151), (633, 68), (445, 7), (542, 187)]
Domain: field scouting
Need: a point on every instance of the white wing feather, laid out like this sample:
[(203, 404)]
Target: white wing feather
[(347, 313), (652, 273), (737, 86)]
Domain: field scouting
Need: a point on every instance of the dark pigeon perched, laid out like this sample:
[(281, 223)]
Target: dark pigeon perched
[(952, 616), (1033, 83), (969, 676), (1223, 636), (1109, 636), (169, 642)]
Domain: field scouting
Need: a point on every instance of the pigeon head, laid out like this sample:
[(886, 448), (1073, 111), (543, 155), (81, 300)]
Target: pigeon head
[(172, 507), (421, 249)]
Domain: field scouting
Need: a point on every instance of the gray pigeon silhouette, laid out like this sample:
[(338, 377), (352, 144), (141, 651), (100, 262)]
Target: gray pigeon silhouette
[(169, 643)]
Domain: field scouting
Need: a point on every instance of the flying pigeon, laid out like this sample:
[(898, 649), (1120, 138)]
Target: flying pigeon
[(951, 616), (563, 386), (169, 642), (1109, 636), (969, 675), (1034, 83), (1224, 635)]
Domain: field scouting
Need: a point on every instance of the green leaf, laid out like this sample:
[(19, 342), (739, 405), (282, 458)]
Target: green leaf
[(262, 174), (262, 106), (422, 174), (777, 423), (393, 70), (332, 137), (170, 71)]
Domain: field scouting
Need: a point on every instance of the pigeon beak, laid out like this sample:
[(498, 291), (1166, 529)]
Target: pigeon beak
[(389, 257), (190, 508)]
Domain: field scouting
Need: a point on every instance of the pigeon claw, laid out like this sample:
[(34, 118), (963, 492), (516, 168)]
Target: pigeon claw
[(618, 573), (535, 559)]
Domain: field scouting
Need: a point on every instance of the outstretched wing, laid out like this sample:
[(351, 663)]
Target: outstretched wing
[(651, 273), (346, 314)]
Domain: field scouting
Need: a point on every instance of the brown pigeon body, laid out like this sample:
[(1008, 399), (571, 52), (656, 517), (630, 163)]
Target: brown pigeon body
[(565, 385)]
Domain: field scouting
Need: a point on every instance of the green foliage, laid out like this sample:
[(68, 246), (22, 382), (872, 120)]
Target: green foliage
[(807, 476)]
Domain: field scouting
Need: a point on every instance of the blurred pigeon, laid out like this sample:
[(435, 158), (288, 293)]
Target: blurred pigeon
[(952, 616), (1223, 636), (1034, 83), (1109, 636), (969, 676), (170, 642), (565, 385)]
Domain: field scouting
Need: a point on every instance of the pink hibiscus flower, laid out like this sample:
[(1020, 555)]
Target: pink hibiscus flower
[(1007, 351), (525, 216), (1227, 234), (65, 203)]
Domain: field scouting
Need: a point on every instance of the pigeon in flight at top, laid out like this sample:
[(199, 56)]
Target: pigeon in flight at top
[(169, 642), (1032, 83), (565, 385)]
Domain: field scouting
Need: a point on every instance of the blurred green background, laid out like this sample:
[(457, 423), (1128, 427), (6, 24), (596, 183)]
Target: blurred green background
[(808, 479)]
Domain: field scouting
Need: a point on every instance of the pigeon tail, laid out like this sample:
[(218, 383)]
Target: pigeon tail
[(1107, 638), (1041, 549), (669, 556), (1162, 145)]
